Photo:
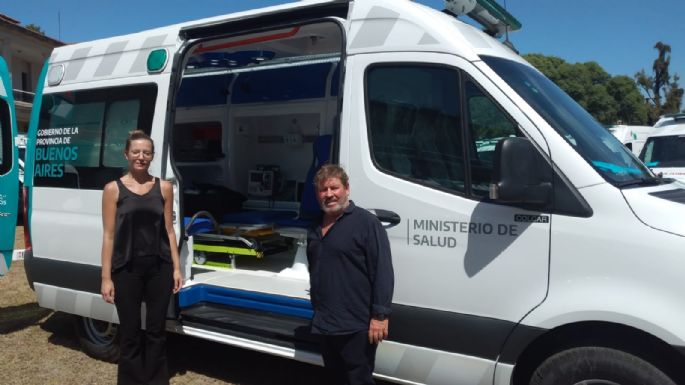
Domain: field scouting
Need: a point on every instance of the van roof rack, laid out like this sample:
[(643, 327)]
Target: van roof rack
[(675, 116), (496, 20), (670, 119)]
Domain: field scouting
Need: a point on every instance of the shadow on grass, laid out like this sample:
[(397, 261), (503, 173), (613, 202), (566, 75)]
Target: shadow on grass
[(221, 362), (211, 359), (15, 318), (237, 366), (61, 328)]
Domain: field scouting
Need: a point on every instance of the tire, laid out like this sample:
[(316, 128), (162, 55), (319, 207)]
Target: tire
[(98, 339), (598, 366)]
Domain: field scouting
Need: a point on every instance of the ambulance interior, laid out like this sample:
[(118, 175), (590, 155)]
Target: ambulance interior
[(255, 118)]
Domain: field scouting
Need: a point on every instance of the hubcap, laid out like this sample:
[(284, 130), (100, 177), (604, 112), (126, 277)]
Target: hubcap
[(100, 332)]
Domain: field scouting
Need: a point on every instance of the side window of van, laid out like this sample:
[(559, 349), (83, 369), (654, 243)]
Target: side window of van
[(81, 135), (415, 127), (6, 142), (487, 125), (415, 124)]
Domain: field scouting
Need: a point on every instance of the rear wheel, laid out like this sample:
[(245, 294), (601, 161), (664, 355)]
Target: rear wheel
[(99, 339), (598, 366)]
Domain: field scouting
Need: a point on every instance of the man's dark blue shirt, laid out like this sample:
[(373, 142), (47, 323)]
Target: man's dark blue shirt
[(351, 274)]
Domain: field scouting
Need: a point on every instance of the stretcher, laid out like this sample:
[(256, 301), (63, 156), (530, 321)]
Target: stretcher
[(218, 245)]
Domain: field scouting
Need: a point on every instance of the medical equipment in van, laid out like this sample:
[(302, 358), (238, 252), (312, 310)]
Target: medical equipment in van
[(262, 181)]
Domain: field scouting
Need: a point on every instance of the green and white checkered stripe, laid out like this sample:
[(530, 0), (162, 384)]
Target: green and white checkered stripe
[(113, 58), (75, 302)]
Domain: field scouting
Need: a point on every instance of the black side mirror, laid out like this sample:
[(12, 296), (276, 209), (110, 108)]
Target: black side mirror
[(521, 175)]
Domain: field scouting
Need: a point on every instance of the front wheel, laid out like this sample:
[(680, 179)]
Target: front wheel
[(598, 366), (99, 339)]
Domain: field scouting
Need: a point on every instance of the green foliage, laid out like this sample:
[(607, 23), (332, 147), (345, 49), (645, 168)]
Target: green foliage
[(610, 99), (35, 28), (664, 95), (631, 106)]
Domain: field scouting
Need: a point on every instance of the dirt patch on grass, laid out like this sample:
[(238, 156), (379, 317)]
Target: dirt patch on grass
[(19, 238)]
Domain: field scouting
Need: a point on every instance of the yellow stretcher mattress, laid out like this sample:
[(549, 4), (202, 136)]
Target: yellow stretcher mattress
[(236, 240)]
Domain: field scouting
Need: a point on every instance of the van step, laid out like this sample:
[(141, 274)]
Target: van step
[(273, 328)]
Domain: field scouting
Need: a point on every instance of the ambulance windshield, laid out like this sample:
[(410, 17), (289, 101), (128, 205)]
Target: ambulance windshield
[(588, 137)]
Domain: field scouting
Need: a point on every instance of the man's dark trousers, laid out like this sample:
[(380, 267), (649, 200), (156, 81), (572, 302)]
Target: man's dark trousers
[(349, 358)]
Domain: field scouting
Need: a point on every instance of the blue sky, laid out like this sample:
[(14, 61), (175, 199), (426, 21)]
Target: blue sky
[(618, 34)]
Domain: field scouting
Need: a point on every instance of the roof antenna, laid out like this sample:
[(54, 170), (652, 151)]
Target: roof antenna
[(508, 42)]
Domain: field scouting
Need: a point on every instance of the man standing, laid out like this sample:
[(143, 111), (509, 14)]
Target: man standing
[(351, 278)]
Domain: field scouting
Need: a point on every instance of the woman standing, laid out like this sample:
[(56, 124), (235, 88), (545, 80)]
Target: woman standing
[(140, 262)]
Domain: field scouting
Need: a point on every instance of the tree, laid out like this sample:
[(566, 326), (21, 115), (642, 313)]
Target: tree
[(631, 108), (35, 28), (609, 99), (664, 95)]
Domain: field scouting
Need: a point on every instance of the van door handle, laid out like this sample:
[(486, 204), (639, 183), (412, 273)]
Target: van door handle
[(388, 218)]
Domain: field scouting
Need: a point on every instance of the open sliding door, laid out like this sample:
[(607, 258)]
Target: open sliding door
[(255, 114)]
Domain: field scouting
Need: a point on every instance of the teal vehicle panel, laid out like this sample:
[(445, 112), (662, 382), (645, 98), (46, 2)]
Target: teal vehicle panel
[(29, 161), (9, 169)]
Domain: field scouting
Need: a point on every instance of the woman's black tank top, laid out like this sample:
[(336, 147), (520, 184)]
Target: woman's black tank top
[(139, 228)]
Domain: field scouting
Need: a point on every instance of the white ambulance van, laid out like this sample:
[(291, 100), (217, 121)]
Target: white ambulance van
[(9, 176), (664, 151), (552, 257), (632, 137)]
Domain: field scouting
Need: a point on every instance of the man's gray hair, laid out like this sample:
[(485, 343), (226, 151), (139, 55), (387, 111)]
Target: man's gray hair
[(331, 171)]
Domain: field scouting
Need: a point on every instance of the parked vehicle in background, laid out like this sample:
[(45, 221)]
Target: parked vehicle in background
[(632, 137), (20, 144), (670, 119), (664, 151)]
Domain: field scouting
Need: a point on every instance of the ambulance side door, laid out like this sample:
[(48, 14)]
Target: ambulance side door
[(418, 139)]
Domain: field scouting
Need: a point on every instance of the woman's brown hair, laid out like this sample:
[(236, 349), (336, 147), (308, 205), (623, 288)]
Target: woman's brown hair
[(136, 135)]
